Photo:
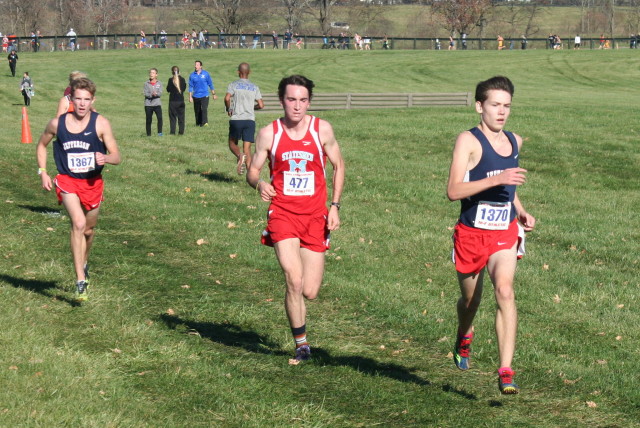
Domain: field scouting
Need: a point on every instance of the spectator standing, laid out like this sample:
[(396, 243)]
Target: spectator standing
[(602, 41), (256, 39), (72, 39), (287, 39), (163, 39), (152, 103), (242, 97), (452, 44), (200, 84), (464, 41), (274, 37), (523, 42), (176, 87), (201, 40), (500, 42), (632, 41), (576, 42), (13, 62), (26, 87), (367, 43)]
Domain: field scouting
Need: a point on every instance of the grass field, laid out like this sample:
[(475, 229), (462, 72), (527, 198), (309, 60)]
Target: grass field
[(186, 333)]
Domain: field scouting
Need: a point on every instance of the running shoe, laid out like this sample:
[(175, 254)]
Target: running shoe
[(506, 383), (81, 290), (303, 353), (461, 352), (242, 167)]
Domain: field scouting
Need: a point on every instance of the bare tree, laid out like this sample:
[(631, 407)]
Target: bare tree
[(322, 10), (293, 11), (461, 15), (106, 13), (229, 16), (524, 15)]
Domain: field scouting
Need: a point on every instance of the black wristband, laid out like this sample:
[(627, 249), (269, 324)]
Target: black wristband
[(336, 204)]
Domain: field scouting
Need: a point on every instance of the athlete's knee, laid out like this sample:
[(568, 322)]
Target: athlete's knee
[(310, 294), (505, 293), (470, 302)]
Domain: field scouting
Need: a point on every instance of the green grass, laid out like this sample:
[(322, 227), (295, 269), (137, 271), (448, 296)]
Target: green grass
[(148, 351)]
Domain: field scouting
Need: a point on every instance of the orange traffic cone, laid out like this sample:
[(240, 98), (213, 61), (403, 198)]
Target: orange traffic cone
[(26, 129)]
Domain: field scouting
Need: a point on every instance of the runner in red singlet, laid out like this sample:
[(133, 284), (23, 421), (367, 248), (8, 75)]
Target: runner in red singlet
[(297, 147)]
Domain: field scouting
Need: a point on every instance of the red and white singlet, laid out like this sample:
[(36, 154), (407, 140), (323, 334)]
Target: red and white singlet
[(298, 170)]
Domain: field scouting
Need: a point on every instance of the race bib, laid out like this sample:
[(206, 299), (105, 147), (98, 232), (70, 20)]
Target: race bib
[(299, 183), (81, 162), (493, 215)]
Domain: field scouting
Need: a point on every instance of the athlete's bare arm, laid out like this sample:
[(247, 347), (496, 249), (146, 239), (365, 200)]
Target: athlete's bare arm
[(527, 220), (41, 152), (332, 149), (263, 145), (105, 133), (466, 154)]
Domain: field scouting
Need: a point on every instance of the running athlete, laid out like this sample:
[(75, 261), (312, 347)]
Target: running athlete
[(242, 98), (84, 144), (483, 177), (298, 222)]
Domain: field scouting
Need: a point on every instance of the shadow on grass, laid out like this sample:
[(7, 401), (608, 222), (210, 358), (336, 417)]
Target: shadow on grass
[(45, 288), (212, 176), (233, 335), (41, 210), (225, 334)]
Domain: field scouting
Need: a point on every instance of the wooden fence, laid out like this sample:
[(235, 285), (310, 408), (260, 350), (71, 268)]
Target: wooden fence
[(347, 101)]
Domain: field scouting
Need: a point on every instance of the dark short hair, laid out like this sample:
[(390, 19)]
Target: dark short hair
[(296, 80), (498, 82), (83, 83)]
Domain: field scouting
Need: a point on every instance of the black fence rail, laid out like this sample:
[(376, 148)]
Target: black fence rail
[(264, 41)]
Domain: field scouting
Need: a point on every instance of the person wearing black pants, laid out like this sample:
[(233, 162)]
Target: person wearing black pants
[(200, 84), (176, 87), (152, 103), (13, 61)]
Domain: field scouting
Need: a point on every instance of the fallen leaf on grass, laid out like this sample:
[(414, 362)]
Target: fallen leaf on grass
[(618, 337), (231, 225), (50, 229), (218, 282), (268, 300), (185, 286), (620, 306), (443, 339), (150, 254), (591, 404), (602, 362), (187, 189), (382, 347), (201, 241), (171, 312), (13, 367), (556, 299), (116, 351), (545, 267), (571, 382), (233, 256), (450, 354), (293, 362)]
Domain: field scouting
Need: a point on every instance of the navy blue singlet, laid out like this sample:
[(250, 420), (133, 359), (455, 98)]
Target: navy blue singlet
[(491, 163), (75, 153)]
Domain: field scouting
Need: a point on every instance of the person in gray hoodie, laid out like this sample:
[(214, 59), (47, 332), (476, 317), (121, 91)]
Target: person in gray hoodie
[(152, 103)]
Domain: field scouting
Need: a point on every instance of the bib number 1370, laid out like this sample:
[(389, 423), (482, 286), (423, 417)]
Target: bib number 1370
[(493, 215)]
